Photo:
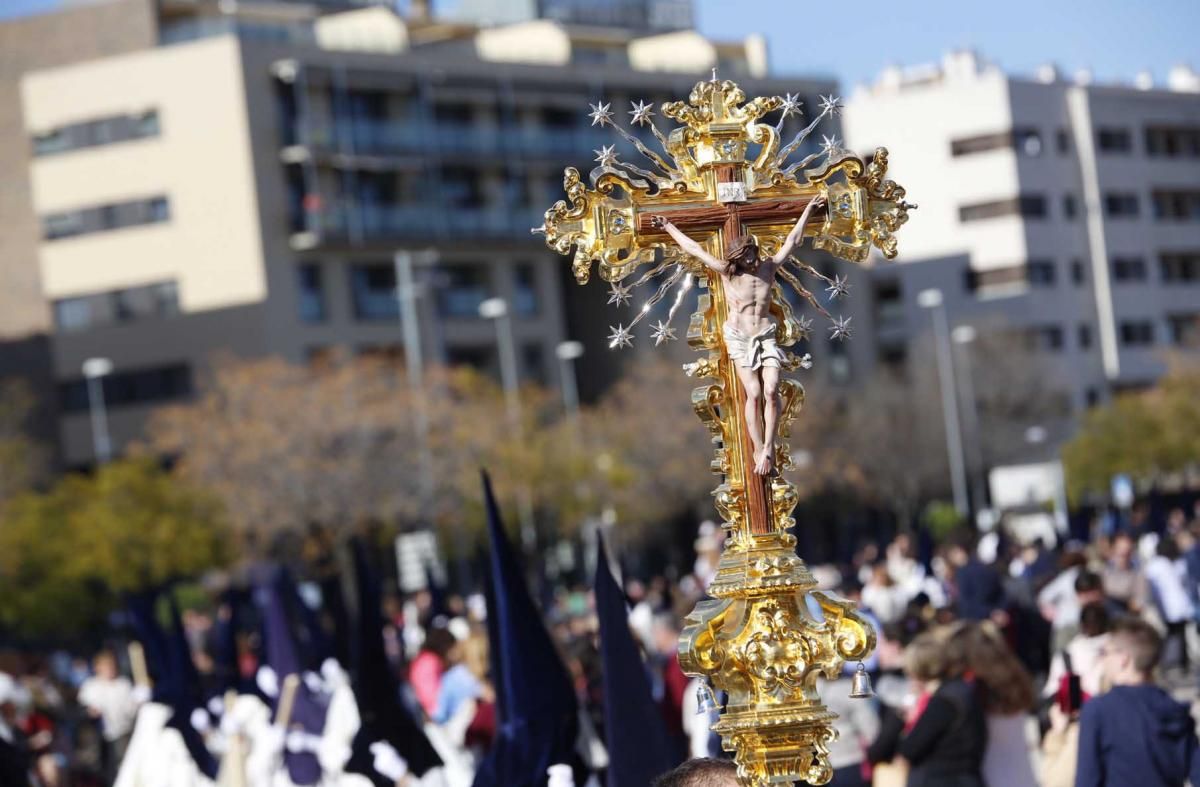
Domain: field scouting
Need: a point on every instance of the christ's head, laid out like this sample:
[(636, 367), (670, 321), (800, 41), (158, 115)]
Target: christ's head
[(743, 256)]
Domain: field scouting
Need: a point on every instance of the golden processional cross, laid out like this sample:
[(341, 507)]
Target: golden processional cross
[(723, 174)]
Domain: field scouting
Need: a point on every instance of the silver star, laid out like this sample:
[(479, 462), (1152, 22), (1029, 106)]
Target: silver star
[(831, 105), (830, 145), (792, 104), (606, 155), (619, 294), (642, 111), (620, 337), (840, 328), (839, 288), (600, 113), (804, 327), (662, 333)]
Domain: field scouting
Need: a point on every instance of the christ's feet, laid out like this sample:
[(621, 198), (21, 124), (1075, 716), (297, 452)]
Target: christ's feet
[(764, 461)]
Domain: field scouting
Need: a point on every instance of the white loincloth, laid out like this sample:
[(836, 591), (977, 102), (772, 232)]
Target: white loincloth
[(751, 352)]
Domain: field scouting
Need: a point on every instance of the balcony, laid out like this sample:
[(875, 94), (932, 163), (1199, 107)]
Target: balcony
[(395, 138), (353, 223)]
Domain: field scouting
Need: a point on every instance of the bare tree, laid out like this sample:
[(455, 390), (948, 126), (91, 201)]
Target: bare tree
[(23, 463)]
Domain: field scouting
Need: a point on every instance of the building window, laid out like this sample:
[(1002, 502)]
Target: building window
[(889, 303), (73, 314), (1077, 273), (105, 131), (1121, 205), (1026, 141), (1173, 142), (104, 218), (980, 144), (533, 362), (1046, 337), (1129, 269), (131, 387), (1030, 206), (131, 304), (525, 295), (1041, 273), (1069, 206), (839, 362), (461, 187), (1176, 205), (1137, 333), (154, 300), (1085, 336), (1114, 140), (1180, 267), (373, 291), (311, 293), (1063, 141), (894, 357), (465, 287), (1184, 329), (996, 278)]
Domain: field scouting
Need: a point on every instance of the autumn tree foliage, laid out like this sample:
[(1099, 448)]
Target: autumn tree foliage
[(1152, 436)]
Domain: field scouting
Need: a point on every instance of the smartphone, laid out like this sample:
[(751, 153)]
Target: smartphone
[(1070, 694)]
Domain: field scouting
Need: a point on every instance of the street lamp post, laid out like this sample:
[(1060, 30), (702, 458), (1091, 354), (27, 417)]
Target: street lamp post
[(567, 353), (932, 299), (963, 336), (496, 309), (406, 303), (94, 372)]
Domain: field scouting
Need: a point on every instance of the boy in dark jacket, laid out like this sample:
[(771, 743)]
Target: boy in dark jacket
[(1135, 734)]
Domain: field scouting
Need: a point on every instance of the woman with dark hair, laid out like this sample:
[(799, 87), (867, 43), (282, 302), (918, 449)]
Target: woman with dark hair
[(943, 740), (1006, 691)]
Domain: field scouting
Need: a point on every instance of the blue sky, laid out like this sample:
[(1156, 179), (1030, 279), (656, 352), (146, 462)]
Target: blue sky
[(1114, 38)]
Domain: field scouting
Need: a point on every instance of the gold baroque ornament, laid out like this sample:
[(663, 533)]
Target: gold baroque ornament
[(766, 634)]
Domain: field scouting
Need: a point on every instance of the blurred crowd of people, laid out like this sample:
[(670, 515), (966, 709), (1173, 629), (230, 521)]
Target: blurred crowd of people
[(998, 663)]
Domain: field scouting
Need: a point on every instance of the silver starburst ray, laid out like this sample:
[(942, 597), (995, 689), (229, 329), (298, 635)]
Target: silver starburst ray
[(669, 274)]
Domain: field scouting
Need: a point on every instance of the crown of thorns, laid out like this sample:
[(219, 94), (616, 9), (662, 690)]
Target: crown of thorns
[(742, 245)]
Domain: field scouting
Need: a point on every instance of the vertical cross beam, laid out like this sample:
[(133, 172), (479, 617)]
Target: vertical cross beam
[(755, 487)]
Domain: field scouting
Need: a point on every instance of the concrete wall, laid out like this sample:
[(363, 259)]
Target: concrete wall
[(81, 33)]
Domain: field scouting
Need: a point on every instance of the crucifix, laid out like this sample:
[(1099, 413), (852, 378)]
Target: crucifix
[(724, 204), (746, 276)]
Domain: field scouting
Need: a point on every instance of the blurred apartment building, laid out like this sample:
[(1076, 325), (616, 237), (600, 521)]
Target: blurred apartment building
[(204, 176), (1064, 210)]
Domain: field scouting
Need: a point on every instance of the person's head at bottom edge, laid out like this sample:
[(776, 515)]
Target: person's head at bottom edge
[(702, 772)]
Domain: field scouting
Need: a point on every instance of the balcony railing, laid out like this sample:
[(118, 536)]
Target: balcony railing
[(400, 137), (372, 222)]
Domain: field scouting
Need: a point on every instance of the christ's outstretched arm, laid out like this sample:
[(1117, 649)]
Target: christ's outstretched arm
[(690, 246), (797, 234)]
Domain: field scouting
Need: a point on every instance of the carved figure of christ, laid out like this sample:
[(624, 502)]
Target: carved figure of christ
[(749, 329)]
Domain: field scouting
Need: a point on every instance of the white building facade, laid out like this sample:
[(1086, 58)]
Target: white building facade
[(1072, 208)]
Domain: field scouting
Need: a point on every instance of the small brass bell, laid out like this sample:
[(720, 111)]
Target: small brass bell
[(860, 685), (706, 701)]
